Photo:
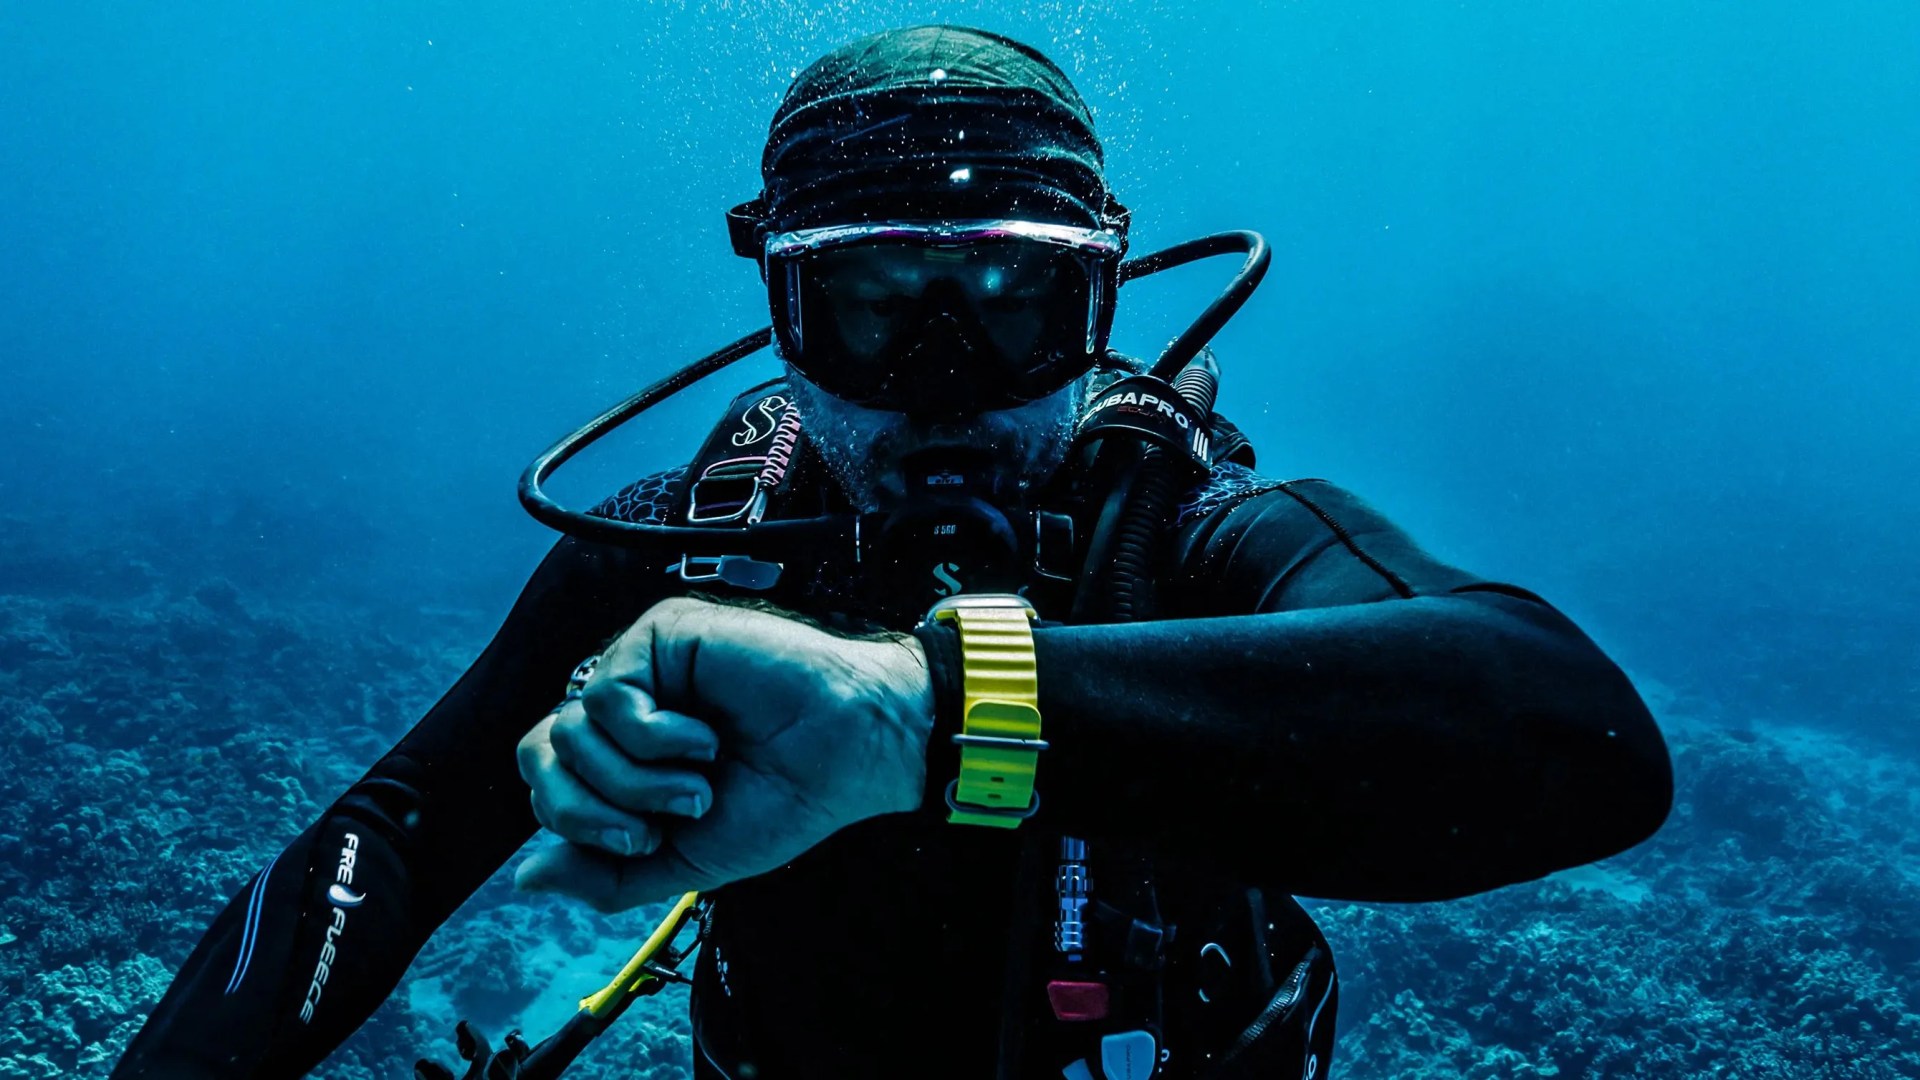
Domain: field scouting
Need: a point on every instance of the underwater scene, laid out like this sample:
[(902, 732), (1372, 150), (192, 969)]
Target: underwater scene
[(1617, 303)]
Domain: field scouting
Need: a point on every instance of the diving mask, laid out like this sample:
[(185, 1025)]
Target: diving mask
[(942, 319)]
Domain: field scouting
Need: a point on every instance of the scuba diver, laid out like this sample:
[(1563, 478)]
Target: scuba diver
[(982, 706)]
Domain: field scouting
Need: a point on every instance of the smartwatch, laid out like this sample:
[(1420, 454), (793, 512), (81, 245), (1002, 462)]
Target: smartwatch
[(999, 735)]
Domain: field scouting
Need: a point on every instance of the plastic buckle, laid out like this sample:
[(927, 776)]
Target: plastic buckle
[(953, 787), (997, 743), (739, 571), (750, 504)]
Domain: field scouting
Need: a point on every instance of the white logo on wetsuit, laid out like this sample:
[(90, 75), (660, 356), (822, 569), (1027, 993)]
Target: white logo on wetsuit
[(343, 898), (766, 407)]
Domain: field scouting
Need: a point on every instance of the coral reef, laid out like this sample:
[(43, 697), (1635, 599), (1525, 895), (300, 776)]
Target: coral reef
[(1769, 931), (167, 731)]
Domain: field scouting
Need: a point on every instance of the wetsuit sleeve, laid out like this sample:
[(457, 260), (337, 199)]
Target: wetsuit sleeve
[(1332, 712), (321, 935)]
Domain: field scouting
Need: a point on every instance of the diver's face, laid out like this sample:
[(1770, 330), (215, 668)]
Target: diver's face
[(947, 318), (866, 449)]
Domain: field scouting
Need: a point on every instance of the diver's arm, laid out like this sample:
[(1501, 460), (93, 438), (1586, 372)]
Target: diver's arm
[(1357, 720), (320, 937)]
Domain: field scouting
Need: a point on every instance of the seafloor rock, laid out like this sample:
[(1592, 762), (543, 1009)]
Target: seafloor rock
[(1743, 941)]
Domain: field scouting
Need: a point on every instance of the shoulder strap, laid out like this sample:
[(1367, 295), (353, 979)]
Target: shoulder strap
[(744, 461), (1230, 445)]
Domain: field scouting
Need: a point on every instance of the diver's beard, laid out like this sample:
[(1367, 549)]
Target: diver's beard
[(864, 448)]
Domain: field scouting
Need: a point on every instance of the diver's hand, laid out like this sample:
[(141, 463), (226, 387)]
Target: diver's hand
[(807, 733)]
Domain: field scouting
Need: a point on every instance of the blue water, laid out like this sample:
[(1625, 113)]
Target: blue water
[(1620, 302)]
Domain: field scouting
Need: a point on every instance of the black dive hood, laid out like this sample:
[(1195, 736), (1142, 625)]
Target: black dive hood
[(946, 483)]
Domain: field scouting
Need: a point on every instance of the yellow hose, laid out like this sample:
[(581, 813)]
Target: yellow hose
[(635, 975)]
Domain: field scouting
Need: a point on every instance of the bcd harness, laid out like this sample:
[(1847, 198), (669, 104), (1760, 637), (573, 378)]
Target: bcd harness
[(1099, 969), (752, 516)]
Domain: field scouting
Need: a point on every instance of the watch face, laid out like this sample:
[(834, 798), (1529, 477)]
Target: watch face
[(948, 607)]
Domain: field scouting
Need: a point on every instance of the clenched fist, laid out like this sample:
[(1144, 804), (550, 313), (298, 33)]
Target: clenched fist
[(713, 743)]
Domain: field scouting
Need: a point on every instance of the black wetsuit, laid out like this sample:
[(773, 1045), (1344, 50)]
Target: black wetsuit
[(1322, 710)]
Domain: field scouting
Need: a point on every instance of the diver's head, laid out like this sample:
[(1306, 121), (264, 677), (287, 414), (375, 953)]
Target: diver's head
[(941, 254)]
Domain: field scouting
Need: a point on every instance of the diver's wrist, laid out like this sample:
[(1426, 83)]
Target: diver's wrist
[(901, 706), (916, 718), (940, 644)]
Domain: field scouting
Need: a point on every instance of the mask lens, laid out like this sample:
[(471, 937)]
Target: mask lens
[(903, 323)]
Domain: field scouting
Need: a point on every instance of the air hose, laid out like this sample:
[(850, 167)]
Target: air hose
[(1144, 462), (1145, 508), (775, 540)]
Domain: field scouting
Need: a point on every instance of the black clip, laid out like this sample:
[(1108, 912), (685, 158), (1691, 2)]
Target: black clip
[(1142, 945), (1053, 545), (739, 571)]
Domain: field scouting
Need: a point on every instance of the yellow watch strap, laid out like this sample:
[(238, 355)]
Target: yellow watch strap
[(999, 736)]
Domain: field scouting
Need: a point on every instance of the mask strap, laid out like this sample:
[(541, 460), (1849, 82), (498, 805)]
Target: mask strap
[(1115, 217), (747, 228), (747, 224)]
